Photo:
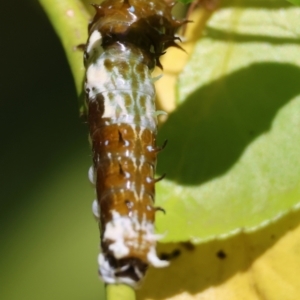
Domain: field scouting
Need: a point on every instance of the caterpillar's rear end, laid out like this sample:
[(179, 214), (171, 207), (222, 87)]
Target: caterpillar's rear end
[(126, 38)]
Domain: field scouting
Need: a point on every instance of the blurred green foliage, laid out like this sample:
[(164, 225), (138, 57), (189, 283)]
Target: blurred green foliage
[(296, 2), (49, 239)]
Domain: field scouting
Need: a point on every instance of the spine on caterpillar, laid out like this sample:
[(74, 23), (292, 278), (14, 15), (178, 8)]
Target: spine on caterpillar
[(126, 39)]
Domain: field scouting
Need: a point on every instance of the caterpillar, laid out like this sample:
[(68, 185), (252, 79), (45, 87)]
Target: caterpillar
[(126, 39)]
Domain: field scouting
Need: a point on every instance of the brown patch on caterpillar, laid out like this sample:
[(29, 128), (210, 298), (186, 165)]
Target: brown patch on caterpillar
[(116, 156), (96, 110), (127, 100), (108, 64), (140, 69), (124, 67)]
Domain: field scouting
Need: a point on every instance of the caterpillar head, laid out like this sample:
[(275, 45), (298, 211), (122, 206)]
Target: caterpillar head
[(147, 25)]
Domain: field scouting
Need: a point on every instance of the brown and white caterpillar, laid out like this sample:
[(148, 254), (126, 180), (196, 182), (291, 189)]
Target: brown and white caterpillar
[(126, 39)]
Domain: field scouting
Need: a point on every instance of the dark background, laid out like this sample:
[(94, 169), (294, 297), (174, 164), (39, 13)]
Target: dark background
[(49, 240)]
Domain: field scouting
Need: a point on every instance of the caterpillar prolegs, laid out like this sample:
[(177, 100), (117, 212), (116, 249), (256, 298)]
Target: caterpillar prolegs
[(126, 39)]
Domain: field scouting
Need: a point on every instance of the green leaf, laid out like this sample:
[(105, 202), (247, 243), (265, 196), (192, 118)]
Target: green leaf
[(185, 1), (232, 161), (296, 2)]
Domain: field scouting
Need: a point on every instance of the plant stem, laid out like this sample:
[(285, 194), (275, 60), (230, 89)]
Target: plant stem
[(119, 291)]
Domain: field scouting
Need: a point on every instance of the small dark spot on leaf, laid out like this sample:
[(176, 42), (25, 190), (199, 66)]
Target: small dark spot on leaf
[(221, 254), (168, 256), (176, 253), (188, 246)]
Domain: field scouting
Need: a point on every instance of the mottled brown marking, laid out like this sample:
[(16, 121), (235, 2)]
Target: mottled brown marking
[(109, 179), (142, 100), (135, 83), (124, 68), (108, 64), (96, 110), (127, 99), (140, 69)]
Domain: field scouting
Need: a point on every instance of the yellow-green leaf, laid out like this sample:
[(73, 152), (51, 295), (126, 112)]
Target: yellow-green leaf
[(232, 160)]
